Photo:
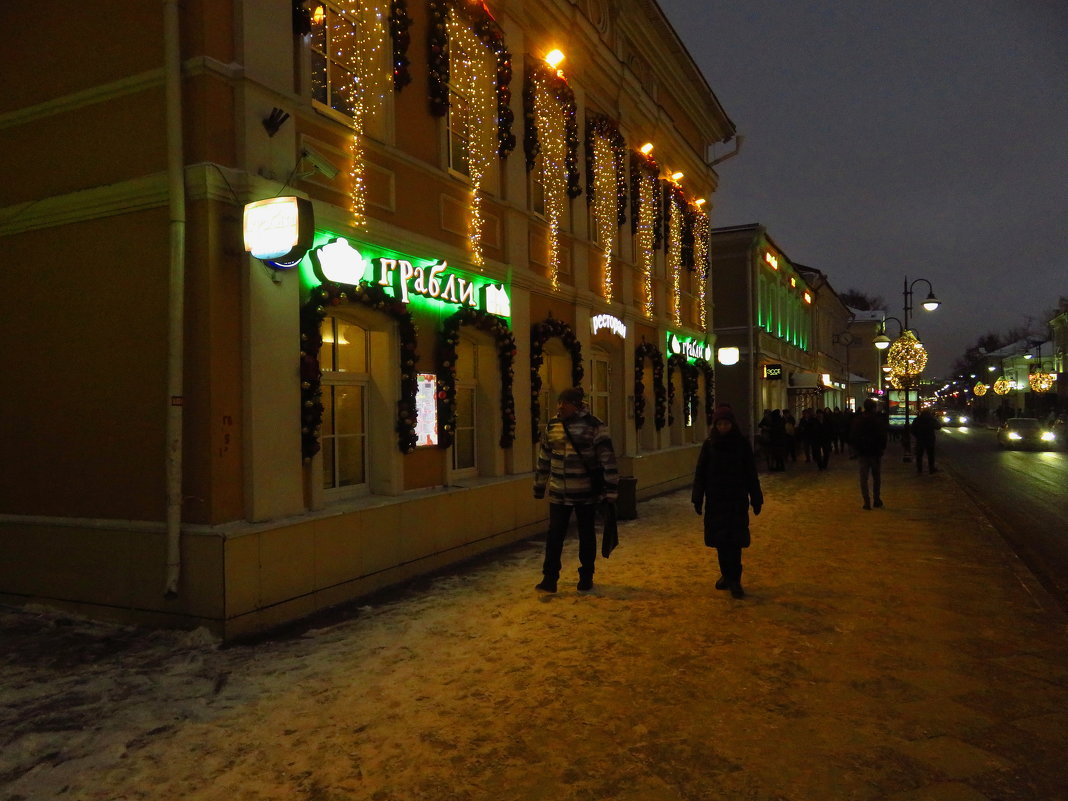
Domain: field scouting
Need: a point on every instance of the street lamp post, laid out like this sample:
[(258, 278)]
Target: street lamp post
[(847, 340), (930, 303)]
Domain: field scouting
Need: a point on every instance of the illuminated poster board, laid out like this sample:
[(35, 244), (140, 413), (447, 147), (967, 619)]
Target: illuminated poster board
[(426, 410)]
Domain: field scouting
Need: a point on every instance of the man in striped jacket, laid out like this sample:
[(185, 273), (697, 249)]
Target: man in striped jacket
[(577, 463)]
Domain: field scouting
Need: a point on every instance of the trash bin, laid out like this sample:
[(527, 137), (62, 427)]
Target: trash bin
[(627, 503)]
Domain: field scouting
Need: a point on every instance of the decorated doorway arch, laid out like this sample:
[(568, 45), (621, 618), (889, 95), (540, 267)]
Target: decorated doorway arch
[(540, 333)]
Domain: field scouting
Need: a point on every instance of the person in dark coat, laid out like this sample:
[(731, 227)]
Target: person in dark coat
[(868, 438), (923, 431), (725, 485)]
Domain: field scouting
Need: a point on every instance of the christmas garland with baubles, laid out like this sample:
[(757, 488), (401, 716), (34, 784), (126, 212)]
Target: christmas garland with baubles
[(565, 97), (646, 350), (710, 387), (311, 342), (446, 385), (540, 333)]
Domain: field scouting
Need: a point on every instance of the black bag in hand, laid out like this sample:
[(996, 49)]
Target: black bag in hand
[(610, 535)]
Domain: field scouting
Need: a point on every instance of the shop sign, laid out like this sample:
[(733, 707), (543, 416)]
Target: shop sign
[(690, 348), (772, 372), (426, 408), (279, 230), (614, 324), (340, 262)]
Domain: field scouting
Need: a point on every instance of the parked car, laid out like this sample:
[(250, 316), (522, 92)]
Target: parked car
[(1026, 432), (953, 418)]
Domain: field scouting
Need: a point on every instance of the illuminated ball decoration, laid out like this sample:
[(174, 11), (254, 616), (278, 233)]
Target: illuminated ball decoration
[(979, 389), (906, 357), (1002, 386), (1040, 381)]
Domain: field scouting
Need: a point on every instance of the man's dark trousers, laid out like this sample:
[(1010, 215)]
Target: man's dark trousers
[(559, 517)]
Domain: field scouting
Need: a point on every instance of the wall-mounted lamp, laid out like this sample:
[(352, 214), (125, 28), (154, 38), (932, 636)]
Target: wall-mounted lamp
[(700, 201), (676, 176), (728, 356), (646, 149), (554, 58)]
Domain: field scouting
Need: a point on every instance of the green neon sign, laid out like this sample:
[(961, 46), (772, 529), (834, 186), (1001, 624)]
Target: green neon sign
[(690, 348), (406, 278)]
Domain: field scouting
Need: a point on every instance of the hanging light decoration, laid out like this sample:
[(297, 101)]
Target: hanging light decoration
[(472, 65), (361, 31), (700, 260), (979, 389), (1040, 380), (1002, 386), (907, 357), (674, 254)]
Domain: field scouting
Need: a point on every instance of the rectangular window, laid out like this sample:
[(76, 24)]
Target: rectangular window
[(463, 449), (599, 390)]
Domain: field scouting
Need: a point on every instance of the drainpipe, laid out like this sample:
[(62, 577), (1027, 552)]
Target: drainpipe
[(753, 301), (172, 73)]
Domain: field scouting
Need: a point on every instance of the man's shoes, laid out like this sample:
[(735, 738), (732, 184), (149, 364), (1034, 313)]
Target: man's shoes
[(866, 505), (546, 586), (736, 589), (722, 584), (878, 504), (585, 583)]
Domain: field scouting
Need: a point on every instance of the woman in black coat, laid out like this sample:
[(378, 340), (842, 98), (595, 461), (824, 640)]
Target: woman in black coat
[(725, 485)]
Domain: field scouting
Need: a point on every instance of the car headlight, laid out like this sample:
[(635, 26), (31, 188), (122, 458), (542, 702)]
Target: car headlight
[(1048, 436), (963, 420), (1014, 435)]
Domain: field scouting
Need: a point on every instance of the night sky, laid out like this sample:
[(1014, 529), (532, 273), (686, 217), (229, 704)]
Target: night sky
[(894, 138)]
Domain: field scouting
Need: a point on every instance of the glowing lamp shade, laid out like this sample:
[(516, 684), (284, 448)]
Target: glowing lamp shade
[(931, 303), (882, 341), (279, 230), (554, 58), (646, 149), (729, 356), (700, 201), (676, 176)]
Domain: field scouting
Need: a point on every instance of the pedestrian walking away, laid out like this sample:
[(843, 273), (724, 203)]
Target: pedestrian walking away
[(923, 431), (867, 435), (577, 464), (725, 485)]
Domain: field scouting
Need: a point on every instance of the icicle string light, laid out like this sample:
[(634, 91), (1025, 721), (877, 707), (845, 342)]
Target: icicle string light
[(645, 237), (605, 203), (700, 260), (360, 31), (551, 124), (674, 255), (472, 68)]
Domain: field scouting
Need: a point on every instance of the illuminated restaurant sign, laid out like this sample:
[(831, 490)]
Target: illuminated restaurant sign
[(409, 278), (602, 321), (279, 230)]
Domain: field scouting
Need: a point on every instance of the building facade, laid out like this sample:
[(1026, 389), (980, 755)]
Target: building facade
[(299, 283)]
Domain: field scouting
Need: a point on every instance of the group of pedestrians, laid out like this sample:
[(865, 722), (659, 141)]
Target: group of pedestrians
[(576, 466)]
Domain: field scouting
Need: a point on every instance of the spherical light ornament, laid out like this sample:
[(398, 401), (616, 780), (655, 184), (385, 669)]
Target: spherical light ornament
[(1002, 386), (980, 389), (1040, 381), (906, 357)]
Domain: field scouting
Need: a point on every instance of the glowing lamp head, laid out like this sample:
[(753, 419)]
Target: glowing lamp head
[(318, 14), (676, 176), (646, 149), (729, 356), (932, 302), (700, 201), (882, 341), (554, 58)]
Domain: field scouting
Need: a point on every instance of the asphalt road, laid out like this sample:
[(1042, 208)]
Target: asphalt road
[(1025, 493)]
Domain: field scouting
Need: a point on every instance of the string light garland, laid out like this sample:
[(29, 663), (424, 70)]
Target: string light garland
[(399, 23), (706, 369), (673, 213), (645, 220), (471, 71), (550, 130), (606, 187), (311, 342), (489, 33), (540, 333), (701, 231)]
